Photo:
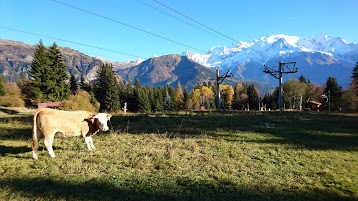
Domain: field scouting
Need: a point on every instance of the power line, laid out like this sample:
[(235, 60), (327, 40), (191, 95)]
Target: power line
[(68, 41), (127, 25), (181, 20), (201, 24), (194, 20)]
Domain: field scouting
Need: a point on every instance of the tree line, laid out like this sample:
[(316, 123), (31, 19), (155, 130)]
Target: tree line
[(49, 80)]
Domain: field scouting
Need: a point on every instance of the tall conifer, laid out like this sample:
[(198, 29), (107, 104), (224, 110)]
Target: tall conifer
[(48, 74), (85, 85), (253, 96), (107, 89), (354, 83), (167, 100), (38, 73), (334, 91), (60, 74), (74, 84)]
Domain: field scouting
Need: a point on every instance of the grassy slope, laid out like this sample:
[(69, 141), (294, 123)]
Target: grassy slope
[(232, 156)]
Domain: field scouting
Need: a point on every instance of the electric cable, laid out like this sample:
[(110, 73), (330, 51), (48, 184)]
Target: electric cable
[(172, 9), (127, 25), (192, 25), (68, 41)]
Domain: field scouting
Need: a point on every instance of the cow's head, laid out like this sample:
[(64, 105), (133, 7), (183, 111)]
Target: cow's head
[(101, 120)]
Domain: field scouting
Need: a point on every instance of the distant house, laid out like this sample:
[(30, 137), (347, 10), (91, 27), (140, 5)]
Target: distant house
[(202, 108), (53, 105), (313, 106)]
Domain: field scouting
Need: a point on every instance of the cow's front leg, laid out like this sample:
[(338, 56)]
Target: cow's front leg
[(89, 143)]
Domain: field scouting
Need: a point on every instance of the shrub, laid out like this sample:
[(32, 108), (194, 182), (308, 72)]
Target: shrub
[(11, 101), (12, 96), (80, 101)]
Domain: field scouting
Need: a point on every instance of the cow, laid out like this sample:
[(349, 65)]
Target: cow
[(50, 122)]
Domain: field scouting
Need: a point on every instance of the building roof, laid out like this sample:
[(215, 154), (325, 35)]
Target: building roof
[(315, 102), (49, 105)]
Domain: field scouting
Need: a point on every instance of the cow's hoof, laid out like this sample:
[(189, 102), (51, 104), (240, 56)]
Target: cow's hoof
[(34, 156)]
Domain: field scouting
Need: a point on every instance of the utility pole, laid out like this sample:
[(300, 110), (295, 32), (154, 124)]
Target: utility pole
[(329, 100), (278, 75), (219, 80), (125, 108)]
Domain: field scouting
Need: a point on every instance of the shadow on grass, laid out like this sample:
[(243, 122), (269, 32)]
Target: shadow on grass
[(312, 130), (15, 127), (8, 111), (48, 189), (21, 118), (15, 133), (13, 150)]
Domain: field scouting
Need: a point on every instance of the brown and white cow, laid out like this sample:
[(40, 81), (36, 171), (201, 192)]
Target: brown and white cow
[(49, 122)]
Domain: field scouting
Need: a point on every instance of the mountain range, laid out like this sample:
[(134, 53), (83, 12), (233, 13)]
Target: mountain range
[(16, 57), (316, 57)]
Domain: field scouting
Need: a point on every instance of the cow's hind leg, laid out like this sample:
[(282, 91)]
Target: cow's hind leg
[(48, 144), (36, 136)]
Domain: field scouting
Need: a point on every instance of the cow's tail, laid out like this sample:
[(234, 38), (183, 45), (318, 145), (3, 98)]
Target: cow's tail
[(35, 136)]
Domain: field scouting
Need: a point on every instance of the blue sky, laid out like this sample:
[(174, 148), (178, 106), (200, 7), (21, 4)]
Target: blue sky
[(240, 20)]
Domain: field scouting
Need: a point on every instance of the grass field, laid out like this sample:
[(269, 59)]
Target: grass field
[(199, 156)]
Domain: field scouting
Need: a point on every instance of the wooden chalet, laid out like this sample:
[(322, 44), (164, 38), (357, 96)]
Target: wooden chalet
[(53, 105), (313, 106)]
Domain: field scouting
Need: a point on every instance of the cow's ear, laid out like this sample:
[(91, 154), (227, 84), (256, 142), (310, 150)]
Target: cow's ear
[(109, 116), (91, 119)]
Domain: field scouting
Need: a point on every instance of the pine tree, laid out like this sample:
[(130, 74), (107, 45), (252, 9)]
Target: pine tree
[(38, 73), (171, 91), (239, 94), (334, 91), (85, 85), (151, 97), (275, 96), (129, 97), (158, 100), (142, 99), (302, 79), (137, 83), (107, 89), (121, 92), (74, 84), (59, 75), (354, 83), (269, 101), (167, 101), (253, 96)]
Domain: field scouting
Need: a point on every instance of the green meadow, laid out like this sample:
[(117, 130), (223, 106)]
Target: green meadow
[(191, 156)]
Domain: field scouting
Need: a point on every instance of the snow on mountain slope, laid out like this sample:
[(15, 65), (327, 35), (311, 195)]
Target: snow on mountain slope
[(245, 60)]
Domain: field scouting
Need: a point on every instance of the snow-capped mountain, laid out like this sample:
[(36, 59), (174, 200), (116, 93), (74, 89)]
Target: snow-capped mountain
[(317, 57)]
